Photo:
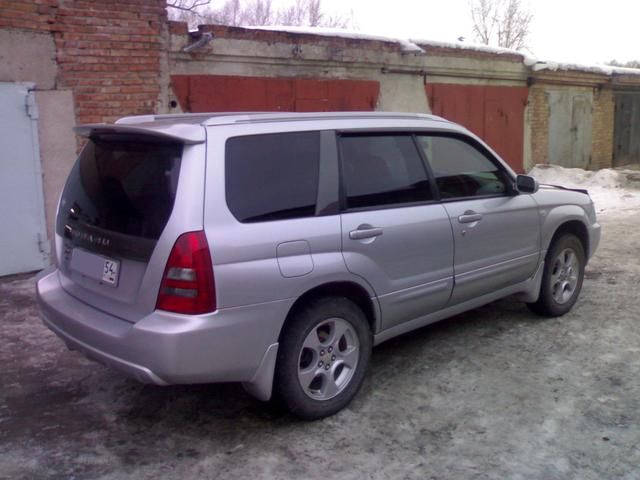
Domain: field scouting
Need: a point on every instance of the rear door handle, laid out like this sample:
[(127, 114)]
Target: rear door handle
[(470, 217), (362, 233)]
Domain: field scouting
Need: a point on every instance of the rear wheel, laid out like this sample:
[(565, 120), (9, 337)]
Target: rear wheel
[(323, 357), (562, 277)]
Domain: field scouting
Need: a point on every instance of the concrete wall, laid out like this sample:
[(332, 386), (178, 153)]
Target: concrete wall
[(28, 57), (240, 52), (57, 146)]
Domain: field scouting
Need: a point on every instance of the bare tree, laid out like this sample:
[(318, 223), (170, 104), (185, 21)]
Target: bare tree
[(506, 23), (257, 12), (187, 5), (629, 64)]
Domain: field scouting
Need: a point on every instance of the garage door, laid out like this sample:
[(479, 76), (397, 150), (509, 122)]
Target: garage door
[(222, 93), (627, 129), (495, 114), (23, 241), (570, 125)]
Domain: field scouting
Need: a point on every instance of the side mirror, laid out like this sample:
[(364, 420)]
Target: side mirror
[(526, 184)]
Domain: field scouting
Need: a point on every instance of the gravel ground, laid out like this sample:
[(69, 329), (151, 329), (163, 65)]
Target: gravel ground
[(496, 393)]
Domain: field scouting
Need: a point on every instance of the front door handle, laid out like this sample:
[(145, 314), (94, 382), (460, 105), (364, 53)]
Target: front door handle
[(470, 217), (365, 232)]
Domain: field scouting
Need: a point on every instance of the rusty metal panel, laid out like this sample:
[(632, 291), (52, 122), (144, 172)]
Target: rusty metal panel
[(627, 129), (494, 113), (570, 128), (222, 93)]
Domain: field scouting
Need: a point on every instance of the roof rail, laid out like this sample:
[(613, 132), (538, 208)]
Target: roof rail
[(192, 117), (289, 116), (225, 118)]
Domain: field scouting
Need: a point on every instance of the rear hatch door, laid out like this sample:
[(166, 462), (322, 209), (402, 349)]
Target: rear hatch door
[(115, 223)]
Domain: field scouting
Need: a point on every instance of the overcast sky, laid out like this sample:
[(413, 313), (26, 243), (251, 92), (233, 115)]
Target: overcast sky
[(585, 31)]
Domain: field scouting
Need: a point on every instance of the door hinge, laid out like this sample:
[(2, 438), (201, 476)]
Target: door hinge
[(30, 104), (43, 244)]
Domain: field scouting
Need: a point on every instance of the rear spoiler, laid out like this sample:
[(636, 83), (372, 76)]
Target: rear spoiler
[(579, 190), (182, 132)]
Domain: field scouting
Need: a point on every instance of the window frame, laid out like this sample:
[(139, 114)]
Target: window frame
[(382, 133), (510, 183)]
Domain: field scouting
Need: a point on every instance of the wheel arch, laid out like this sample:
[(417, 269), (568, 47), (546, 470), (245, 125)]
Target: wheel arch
[(574, 227), (347, 289)]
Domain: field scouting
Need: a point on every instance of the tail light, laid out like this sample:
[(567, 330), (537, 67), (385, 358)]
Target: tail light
[(187, 284)]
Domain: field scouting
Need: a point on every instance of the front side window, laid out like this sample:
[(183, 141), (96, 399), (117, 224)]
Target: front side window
[(379, 170), (272, 176), (461, 170)]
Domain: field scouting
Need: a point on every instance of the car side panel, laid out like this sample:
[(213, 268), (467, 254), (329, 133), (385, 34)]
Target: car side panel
[(410, 265), (247, 267), (500, 249)]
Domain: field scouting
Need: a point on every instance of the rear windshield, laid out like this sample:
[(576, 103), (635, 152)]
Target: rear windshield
[(121, 187)]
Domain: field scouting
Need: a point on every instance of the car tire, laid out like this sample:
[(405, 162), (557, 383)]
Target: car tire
[(562, 277), (324, 353)]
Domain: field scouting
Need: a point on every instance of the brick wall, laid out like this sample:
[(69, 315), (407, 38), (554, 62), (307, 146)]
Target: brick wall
[(108, 51), (538, 113), (603, 126)]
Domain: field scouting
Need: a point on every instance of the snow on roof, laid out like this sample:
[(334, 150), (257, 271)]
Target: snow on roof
[(414, 46), (406, 46)]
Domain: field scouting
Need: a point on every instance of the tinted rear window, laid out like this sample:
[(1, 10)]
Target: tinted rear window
[(272, 177), (121, 186)]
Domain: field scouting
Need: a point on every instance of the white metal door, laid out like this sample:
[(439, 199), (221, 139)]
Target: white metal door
[(23, 238)]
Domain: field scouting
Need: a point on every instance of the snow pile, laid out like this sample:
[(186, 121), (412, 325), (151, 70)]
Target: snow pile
[(613, 191)]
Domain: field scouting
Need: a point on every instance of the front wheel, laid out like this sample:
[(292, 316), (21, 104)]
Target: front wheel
[(323, 357), (562, 277)]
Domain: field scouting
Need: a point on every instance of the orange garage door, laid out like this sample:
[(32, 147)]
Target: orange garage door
[(495, 114), (223, 93)]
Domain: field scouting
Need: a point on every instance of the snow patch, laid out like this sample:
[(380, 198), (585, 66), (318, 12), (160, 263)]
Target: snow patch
[(614, 192)]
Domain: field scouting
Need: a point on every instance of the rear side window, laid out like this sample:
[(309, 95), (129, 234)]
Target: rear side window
[(461, 170), (379, 170), (121, 186), (273, 176)]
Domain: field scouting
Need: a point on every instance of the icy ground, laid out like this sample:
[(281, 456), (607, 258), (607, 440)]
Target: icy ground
[(614, 192)]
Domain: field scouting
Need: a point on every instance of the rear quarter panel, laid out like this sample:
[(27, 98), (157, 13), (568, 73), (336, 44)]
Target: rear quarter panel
[(244, 255)]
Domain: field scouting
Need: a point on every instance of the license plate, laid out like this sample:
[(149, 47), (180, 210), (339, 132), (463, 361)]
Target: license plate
[(110, 271), (102, 269)]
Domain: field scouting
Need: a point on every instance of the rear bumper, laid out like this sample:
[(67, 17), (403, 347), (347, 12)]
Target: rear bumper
[(230, 345)]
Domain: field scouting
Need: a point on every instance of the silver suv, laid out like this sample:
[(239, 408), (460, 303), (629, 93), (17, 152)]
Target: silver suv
[(275, 249)]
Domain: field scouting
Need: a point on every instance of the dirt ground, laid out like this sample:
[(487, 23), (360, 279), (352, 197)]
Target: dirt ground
[(496, 393)]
